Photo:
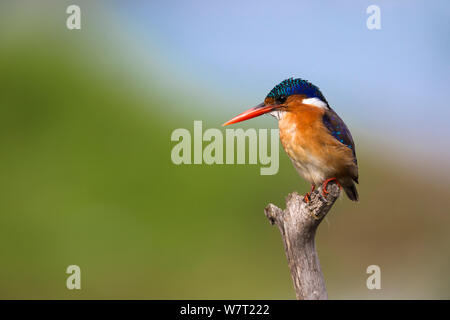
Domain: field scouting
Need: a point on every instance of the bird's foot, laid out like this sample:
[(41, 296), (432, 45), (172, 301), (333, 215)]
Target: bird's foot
[(307, 197), (325, 184)]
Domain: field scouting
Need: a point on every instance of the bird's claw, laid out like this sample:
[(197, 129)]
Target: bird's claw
[(325, 184), (307, 197)]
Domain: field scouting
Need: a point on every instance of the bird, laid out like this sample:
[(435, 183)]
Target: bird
[(315, 138)]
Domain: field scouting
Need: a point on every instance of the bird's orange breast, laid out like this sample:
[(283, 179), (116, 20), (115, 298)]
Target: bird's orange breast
[(300, 129), (316, 154)]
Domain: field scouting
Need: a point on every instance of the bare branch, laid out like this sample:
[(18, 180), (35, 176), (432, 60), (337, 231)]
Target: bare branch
[(298, 224)]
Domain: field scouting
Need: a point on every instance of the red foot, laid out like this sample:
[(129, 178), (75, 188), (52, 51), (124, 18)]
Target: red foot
[(308, 195), (325, 184)]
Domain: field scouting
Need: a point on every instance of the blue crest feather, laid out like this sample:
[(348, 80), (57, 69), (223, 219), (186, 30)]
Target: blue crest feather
[(296, 86)]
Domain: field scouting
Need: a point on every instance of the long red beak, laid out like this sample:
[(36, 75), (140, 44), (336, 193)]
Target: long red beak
[(251, 113)]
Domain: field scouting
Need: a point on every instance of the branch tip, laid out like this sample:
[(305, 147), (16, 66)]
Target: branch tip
[(272, 212)]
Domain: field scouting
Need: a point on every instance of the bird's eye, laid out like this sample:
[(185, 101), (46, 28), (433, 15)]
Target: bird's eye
[(281, 99)]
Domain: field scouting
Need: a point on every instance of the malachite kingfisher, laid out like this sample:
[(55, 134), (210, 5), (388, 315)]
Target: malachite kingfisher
[(315, 138)]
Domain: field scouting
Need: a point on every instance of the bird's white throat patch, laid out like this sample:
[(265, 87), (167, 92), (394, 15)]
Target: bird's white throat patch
[(277, 114), (315, 102)]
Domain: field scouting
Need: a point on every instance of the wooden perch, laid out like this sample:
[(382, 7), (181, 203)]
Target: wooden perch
[(298, 224)]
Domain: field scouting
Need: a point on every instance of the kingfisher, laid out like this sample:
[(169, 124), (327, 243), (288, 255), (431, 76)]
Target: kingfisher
[(314, 137)]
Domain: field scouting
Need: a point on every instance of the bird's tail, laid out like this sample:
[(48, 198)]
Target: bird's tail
[(351, 192)]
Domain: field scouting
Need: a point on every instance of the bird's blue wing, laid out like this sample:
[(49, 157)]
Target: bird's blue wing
[(339, 130)]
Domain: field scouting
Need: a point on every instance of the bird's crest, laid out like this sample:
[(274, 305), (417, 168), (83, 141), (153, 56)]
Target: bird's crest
[(296, 86)]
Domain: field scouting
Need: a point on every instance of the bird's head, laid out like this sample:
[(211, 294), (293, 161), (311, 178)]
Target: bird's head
[(282, 98)]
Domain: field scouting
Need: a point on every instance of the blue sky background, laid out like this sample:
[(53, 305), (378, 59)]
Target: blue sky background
[(390, 84)]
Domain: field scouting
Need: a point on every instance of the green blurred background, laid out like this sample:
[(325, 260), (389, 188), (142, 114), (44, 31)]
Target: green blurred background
[(85, 124)]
